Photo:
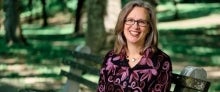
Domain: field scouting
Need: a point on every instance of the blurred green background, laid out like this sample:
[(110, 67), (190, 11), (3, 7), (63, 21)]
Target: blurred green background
[(189, 32)]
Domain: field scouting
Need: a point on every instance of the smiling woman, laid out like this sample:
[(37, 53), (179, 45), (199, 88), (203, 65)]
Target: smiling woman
[(136, 64)]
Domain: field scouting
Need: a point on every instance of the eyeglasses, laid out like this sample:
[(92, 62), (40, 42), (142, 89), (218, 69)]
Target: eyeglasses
[(142, 23)]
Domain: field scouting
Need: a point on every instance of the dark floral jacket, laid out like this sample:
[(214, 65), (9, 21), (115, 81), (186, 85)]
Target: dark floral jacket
[(151, 74)]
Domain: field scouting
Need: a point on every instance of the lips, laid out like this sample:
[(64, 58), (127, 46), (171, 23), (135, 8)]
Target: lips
[(134, 33)]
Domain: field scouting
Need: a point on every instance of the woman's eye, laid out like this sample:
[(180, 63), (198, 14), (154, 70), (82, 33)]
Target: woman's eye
[(142, 22), (130, 20)]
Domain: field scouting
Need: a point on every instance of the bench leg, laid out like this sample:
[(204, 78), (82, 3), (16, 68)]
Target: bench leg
[(72, 86)]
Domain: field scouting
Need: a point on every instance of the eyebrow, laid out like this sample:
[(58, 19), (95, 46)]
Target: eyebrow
[(137, 19)]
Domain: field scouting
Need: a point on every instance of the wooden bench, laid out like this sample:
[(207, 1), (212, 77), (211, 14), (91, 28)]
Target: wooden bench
[(191, 79)]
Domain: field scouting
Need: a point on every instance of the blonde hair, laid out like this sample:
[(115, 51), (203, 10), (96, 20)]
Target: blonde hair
[(151, 39)]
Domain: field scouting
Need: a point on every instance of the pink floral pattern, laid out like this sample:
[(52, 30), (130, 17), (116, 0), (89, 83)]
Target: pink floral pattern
[(151, 74)]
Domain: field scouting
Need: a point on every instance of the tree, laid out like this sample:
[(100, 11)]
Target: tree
[(176, 16), (1, 1), (63, 5), (44, 12), (154, 3), (1, 19), (30, 7), (123, 2), (13, 31), (78, 16), (96, 35)]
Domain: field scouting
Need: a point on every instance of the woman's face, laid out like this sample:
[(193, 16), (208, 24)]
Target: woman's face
[(136, 26)]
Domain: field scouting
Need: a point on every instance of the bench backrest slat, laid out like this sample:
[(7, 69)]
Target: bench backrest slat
[(88, 57), (190, 83), (85, 68), (79, 79)]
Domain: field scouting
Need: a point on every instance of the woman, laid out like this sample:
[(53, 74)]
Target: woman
[(136, 64)]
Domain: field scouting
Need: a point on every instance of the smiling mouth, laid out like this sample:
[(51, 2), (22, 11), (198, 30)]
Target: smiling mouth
[(134, 33)]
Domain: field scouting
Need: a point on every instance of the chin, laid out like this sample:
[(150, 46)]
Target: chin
[(133, 42)]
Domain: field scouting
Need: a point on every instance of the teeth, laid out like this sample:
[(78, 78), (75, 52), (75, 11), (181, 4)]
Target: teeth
[(134, 33)]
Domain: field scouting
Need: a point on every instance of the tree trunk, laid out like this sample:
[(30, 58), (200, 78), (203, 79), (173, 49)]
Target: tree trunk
[(78, 15), (44, 13), (1, 14), (30, 7), (13, 29), (96, 34), (176, 16), (1, 1)]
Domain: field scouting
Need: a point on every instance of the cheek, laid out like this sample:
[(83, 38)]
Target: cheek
[(146, 31), (125, 29)]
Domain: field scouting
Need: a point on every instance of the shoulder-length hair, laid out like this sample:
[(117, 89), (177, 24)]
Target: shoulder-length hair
[(151, 40)]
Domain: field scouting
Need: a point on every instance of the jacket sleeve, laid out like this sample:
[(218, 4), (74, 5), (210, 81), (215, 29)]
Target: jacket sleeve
[(163, 81), (102, 76)]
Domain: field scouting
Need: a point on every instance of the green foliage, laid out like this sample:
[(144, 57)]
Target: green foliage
[(123, 2), (186, 11), (215, 86), (35, 4), (197, 10), (52, 7), (72, 4), (167, 13), (192, 44), (199, 1), (164, 1)]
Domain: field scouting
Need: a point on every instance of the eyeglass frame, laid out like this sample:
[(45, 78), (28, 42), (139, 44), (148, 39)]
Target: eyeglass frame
[(133, 21)]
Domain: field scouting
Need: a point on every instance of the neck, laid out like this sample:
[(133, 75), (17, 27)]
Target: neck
[(133, 53), (134, 50)]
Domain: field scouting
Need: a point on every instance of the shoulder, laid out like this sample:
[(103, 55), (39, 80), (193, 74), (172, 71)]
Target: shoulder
[(161, 55), (112, 56), (160, 52), (163, 60), (109, 53)]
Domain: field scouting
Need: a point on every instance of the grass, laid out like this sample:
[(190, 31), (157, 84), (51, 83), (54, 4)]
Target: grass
[(186, 11)]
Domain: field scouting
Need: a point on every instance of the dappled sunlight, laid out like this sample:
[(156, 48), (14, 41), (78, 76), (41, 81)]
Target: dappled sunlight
[(213, 72), (61, 43), (17, 68), (206, 21), (216, 59), (60, 19), (53, 30), (92, 78), (25, 70), (10, 60), (20, 51), (213, 32), (201, 50), (32, 70), (180, 65), (37, 83), (42, 83)]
